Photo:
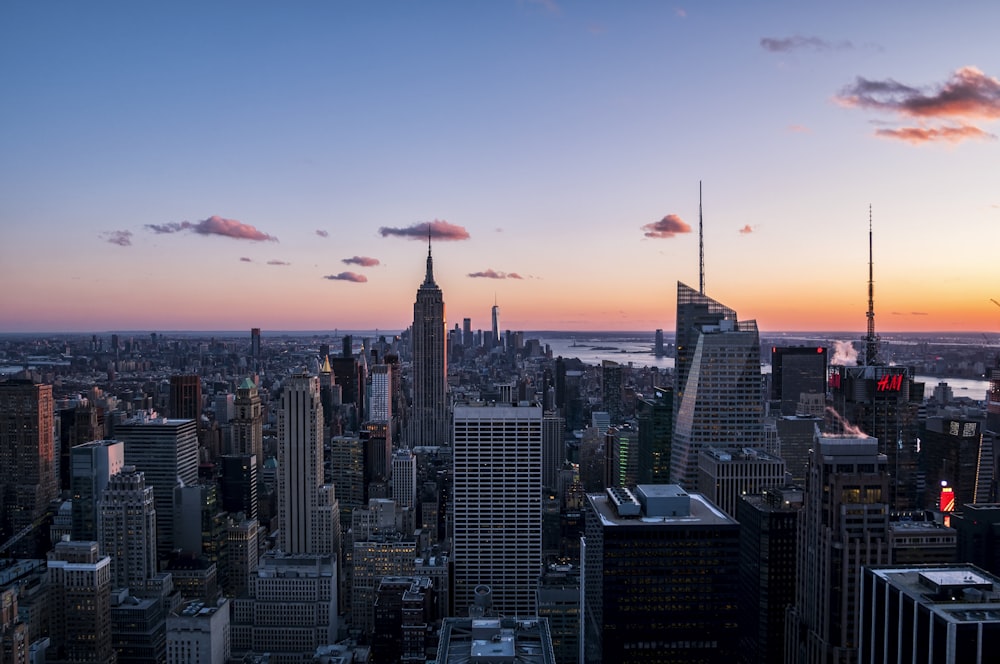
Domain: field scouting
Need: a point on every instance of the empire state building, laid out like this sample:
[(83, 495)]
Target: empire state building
[(430, 369)]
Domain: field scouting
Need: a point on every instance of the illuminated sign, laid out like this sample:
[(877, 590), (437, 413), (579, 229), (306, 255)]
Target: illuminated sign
[(835, 380), (890, 383), (947, 503)]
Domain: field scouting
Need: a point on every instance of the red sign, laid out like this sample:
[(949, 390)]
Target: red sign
[(890, 383), (947, 503)]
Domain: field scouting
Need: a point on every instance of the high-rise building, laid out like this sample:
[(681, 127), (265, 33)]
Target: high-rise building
[(79, 580), (14, 645), (430, 370), (796, 434), (27, 458), (844, 527), (768, 527), (185, 397), (403, 610), (243, 556), (127, 529), (91, 466), (380, 394), (197, 632), (611, 390), (947, 614), (404, 478), (724, 475), (796, 370), (166, 451), (559, 603), (977, 528), (659, 574), (247, 425), (720, 402), (495, 318), (497, 505), (694, 311), (467, 332), (553, 449), (307, 508), (951, 454), (656, 428), (255, 355), (238, 484)]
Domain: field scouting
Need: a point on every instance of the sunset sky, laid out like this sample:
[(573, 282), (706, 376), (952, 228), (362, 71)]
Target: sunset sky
[(226, 165)]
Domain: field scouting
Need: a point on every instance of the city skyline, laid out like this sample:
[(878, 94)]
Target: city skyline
[(222, 167)]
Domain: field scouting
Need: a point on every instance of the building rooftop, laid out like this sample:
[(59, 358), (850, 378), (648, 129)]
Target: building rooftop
[(957, 593), (495, 641), (701, 510)]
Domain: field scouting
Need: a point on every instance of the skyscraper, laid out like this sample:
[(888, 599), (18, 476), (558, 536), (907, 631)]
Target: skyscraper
[(430, 369), (127, 529), (796, 370), (497, 503), (79, 580), (307, 508), (92, 465), (185, 397), (166, 451), (495, 317), (27, 456), (248, 424), (721, 404), (844, 525)]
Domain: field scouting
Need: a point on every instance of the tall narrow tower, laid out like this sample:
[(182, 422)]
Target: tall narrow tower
[(248, 425), (495, 316), (871, 341), (430, 406)]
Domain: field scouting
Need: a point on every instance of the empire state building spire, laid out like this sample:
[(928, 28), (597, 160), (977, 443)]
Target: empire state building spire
[(429, 420), (429, 278)]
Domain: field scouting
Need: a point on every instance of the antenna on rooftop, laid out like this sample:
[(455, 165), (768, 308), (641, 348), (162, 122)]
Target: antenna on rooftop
[(871, 341), (701, 247)]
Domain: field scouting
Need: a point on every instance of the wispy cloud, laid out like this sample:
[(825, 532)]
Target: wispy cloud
[(493, 274), (323, 233), (669, 226), (746, 230), (246, 259), (681, 12), (799, 129), (363, 261), (439, 230), (121, 238), (277, 262), (214, 225), (943, 112), (347, 276), (800, 42)]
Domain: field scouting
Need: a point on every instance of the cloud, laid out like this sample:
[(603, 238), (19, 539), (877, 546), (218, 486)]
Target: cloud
[(348, 276), (681, 12), (949, 133), (121, 238), (439, 230), (245, 259), (746, 230), (799, 129), (323, 233), (277, 262), (363, 261), (669, 226), (493, 274), (799, 43), (214, 225), (968, 94)]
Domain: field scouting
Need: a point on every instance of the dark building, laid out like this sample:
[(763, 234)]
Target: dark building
[(660, 578), (238, 482), (404, 609), (656, 425), (768, 524), (978, 532), (611, 390), (185, 397), (947, 614), (430, 362), (694, 310), (796, 370), (950, 455)]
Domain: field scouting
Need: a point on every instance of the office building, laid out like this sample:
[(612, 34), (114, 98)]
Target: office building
[(238, 484), (656, 427), (558, 599), (404, 479), (726, 475), (247, 425), (497, 505), (185, 397), (796, 434), (91, 466), (612, 390), (721, 402), (553, 448), (946, 614), (403, 616), (694, 310), (377, 556), (197, 632), (977, 529), (917, 539), (768, 553), (796, 370), (308, 512), (524, 639), (79, 579), (166, 452), (347, 463), (127, 529), (290, 608), (255, 347), (844, 527), (28, 473), (951, 454), (429, 420), (660, 570), (243, 555), (13, 631)]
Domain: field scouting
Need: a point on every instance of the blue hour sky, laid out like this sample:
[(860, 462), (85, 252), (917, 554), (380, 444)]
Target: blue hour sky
[(233, 164)]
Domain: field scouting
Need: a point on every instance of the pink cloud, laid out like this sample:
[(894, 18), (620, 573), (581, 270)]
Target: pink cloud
[(214, 225), (493, 274), (121, 238), (363, 261), (950, 133), (669, 226), (746, 230), (439, 230), (277, 262), (348, 276)]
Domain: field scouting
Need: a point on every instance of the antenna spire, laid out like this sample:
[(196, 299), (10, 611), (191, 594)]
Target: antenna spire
[(871, 341), (429, 278), (701, 246)]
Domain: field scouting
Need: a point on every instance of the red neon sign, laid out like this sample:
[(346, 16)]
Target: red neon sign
[(947, 502), (890, 383)]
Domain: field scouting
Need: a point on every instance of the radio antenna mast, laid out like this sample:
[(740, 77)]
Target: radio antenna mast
[(701, 246)]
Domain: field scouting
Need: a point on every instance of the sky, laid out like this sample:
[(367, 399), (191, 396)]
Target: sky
[(227, 165)]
